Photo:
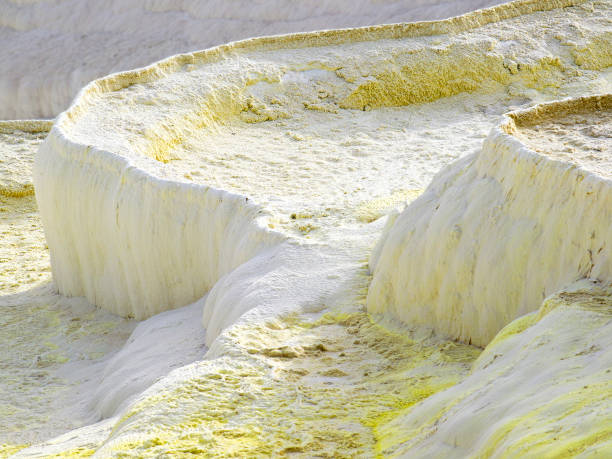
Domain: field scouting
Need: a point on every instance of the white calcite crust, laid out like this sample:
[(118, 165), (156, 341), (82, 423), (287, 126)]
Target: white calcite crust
[(52, 48), (248, 182), (494, 234), (130, 229), (540, 389)]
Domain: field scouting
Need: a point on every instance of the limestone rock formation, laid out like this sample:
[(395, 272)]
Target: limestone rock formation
[(52, 48), (501, 230), (245, 262)]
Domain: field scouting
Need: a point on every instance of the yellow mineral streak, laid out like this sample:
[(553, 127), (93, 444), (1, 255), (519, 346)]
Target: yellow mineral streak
[(18, 142), (7, 450), (557, 406), (24, 257), (292, 387), (147, 147)]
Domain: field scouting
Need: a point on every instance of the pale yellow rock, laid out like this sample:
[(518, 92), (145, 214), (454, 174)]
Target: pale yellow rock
[(146, 186), (540, 389), (24, 257), (498, 231), (159, 148), (18, 143)]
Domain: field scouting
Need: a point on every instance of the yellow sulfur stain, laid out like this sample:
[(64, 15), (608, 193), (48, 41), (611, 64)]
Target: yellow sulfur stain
[(343, 377), (7, 450), (560, 411), (550, 442)]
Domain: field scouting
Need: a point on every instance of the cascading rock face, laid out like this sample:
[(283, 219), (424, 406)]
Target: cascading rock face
[(142, 214), (248, 183), (133, 243), (497, 232)]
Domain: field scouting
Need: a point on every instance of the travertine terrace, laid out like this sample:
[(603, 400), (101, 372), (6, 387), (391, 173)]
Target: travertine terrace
[(163, 117), (391, 241), (68, 43), (481, 212)]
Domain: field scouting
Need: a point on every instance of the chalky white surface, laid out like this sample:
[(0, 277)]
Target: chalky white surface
[(294, 365), (52, 48)]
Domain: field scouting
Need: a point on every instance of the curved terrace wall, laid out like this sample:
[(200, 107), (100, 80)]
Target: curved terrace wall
[(495, 234), (134, 239)]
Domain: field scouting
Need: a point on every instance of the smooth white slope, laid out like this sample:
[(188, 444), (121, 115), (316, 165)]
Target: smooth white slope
[(540, 389), (157, 345), (51, 49)]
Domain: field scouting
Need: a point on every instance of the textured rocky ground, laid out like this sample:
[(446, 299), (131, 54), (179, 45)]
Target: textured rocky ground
[(247, 188), (23, 251)]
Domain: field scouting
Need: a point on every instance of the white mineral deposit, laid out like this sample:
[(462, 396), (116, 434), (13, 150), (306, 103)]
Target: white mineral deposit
[(52, 48), (382, 241)]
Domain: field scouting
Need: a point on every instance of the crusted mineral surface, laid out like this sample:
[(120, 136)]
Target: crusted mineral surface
[(382, 241)]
